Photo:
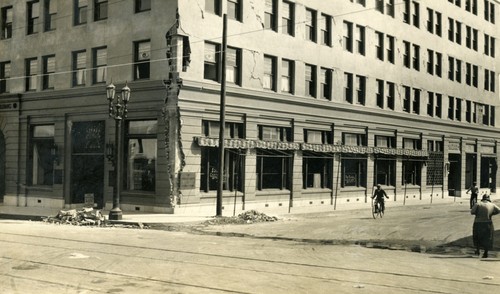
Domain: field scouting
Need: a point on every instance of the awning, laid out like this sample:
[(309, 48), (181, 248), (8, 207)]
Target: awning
[(363, 150), (247, 144)]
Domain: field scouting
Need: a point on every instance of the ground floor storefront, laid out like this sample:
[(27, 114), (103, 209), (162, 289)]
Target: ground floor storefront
[(56, 156)]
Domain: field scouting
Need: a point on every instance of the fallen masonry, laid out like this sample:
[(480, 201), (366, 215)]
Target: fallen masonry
[(86, 217), (248, 217)]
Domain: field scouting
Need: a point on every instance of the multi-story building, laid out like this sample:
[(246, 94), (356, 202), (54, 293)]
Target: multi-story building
[(324, 100)]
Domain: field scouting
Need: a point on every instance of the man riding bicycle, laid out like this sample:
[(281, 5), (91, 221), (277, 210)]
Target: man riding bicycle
[(379, 195)]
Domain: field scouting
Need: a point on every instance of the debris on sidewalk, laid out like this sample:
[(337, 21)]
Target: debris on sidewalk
[(248, 217), (82, 217)]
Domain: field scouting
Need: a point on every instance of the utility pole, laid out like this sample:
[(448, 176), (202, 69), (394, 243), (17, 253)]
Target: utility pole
[(222, 119)]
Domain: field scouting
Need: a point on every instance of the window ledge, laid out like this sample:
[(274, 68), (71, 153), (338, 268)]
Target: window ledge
[(39, 188), (272, 192)]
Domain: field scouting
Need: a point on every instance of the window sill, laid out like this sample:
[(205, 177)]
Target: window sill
[(352, 189), (139, 193), (272, 192), (40, 188), (316, 190)]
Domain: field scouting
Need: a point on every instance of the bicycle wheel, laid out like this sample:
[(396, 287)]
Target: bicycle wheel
[(374, 209), (381, 211)]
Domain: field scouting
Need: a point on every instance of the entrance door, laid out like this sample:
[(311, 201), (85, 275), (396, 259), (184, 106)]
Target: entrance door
[(2, 166), (470, 170), (87, 162), (488, 173), (454, 174)]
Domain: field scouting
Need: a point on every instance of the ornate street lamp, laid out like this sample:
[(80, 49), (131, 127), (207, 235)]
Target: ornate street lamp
[(118, 111)]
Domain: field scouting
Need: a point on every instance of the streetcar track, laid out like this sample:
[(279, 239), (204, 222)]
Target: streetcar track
[(285, 263)]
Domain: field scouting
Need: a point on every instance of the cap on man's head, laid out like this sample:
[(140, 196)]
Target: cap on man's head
[(486, 197), (378, 185)]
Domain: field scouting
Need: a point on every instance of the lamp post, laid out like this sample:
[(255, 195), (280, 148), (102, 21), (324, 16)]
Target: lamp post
[(118, 111)]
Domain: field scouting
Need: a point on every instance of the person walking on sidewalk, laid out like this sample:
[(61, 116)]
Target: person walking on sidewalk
[(379, 195), (474, 191), (482, 229)]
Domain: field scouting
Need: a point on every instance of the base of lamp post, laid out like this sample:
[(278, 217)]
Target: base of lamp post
[(115, 214)]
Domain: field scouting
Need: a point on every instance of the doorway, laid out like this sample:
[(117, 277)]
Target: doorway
[(87, 163), (454, 174)]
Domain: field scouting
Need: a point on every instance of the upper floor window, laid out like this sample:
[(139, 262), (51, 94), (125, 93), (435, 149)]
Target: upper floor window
[(288, 18), (142, 57), (489, 45), (385, 141), (310, 80), (318, 137), (269, 81), (234, 9), (489, 80), (360, 39), (233, 65), (213, 6), (79, 66), (270, 14), (6, 22), (271, 133), (49, 14), (100, 9), (416, 14), (489, 11), (211, 63), (391, 94), (326, 29), (142, 5), (409, 143), (351, 139), (49, 68), (471, 6), (31, 72), (4, 77), (348, 87), (360, 89), (231, 130), (348, 36), (326, 83), (380, 93), (141, 152), (311, 25), (389, 7), (80, 12), (41, 160), (33, 17), (99, 65), (287, 76)]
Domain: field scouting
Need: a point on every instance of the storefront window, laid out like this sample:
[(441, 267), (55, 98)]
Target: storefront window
[(233, 159), (317, 171), (41, 165), (273, 169), (385, 171), (411, 173), (141, 155), (353, 172)]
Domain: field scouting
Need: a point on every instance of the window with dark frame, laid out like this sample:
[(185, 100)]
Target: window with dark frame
[(468, 111), (391, 92), (270, 15), (439, 64), (234, 9), (41, 160), (458, 32), (411, 173), (31, 69), (310, 25), (380, 93), (390, 49), (33, 17), (269, 80), (458, 109), (141, 154), (326, 83), (430, 20), (407, 54), (48, 70), (211, 62), (213, 6), (439, 103), (380, 45), (6, 22), (326, 29), (407, 99), (142, 59), (99, 65), (416, 57), (79, 68), (389, 7), (288, 18), (360, 89), (416, 14), (360, 39), (348, 36), (451, 107), (4, 77), (287, 76), (430, 61), (416, 101), (458, 71), (406, 11), (50, 13), (348, 87), (430, 104), (80, 12), (438, 28), (100, 10), (310, 80), (233, 65), (142, 5)]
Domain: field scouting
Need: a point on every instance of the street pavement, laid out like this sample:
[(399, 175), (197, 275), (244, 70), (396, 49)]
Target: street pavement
[(329, 252)]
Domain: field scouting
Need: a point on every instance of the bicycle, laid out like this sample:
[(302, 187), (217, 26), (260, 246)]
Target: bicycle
[(377, 210)]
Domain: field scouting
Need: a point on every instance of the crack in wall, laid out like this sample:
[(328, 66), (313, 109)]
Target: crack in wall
[(252, 72), (257, 15)]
